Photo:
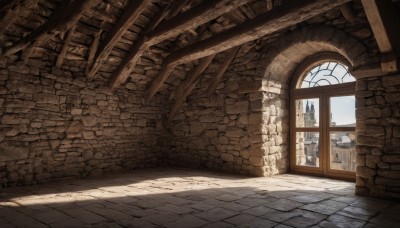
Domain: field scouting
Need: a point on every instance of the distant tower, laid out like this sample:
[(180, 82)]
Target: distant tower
[(309, 120)]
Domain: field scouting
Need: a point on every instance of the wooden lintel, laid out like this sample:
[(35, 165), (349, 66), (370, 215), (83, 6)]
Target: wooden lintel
[(64, 49), (63, 18), (200, 14), (156, 84), (371, 70), (13, 11), (286, 15), (216, 79), (132, 12), (193, 77), (389, 62)]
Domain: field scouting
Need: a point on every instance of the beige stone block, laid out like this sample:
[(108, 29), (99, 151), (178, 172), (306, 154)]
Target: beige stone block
[(387, 181), (76, 111), (89, 121), (239, 107), (88, 135), (125, 115), (47, 98), (360, 158), (365, 172), (235, 132), (256, 161), (371, 161), (10, 119), (227, 157), (13, 151)]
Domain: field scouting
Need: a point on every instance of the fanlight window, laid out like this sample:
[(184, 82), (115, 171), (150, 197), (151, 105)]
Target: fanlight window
[(325, 74)]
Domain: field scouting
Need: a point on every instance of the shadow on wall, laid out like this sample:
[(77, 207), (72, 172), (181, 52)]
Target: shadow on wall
[(193, 199)]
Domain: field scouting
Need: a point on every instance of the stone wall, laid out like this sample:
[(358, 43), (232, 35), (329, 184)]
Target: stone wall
[(378, 136), (242, 127), (56, 124)]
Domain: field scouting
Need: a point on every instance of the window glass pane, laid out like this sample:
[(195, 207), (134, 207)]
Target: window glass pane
[(325, 74), (307, 112), (343, 111), (307, 149), (343, 151)]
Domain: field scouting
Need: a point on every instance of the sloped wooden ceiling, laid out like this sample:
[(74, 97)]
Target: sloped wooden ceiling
[(152, 42)]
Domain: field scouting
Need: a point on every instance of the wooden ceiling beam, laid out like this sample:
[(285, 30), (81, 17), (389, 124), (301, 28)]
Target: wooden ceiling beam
[(284, 16), (123, 71), (200, 14), (13, 11), (63, 18), (156, 84), (189, 84), (278, 18), (64, 49), (131, 13), (217, 77), (385, 24)]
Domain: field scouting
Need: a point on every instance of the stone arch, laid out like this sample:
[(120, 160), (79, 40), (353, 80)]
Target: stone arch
[(281, 62), (286, 55)]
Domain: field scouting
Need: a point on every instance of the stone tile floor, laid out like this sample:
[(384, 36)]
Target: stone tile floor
[(175, 198)]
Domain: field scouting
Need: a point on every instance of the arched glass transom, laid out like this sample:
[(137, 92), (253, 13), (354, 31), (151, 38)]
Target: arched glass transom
[(325, 74)]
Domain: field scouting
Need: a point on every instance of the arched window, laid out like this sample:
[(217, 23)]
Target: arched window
[(323, 118)]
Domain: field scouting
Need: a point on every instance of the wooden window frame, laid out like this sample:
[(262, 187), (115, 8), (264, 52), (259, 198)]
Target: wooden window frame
[(323, 93)]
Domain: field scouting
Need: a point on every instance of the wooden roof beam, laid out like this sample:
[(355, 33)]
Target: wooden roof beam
[(64, 49), (200, 14), (286, 15), (278, 18), (128, 63), (216, 79), (131, 13), (13, 11), (385, 24), (189, 84), (63, 18)]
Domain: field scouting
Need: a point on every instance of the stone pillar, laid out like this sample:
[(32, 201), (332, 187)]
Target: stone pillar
[(378, 136)]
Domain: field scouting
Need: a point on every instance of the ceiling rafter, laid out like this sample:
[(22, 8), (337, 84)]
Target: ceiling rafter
[(385, 24), (63, 18), (131, 13), (12, 12), (198, 15), (217, 77), (291, 13), (64, 49), (276, 19), (189, 84), (124, 69)]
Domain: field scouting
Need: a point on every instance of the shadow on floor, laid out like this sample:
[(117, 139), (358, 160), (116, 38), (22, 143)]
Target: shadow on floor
[(190, 198)]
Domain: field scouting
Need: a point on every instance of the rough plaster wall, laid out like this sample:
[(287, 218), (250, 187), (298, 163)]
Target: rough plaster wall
[(56, 124), (378, 136)]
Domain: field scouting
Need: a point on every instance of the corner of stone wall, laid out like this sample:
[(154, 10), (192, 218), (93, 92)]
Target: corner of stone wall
[(268, 128), (378, 136)]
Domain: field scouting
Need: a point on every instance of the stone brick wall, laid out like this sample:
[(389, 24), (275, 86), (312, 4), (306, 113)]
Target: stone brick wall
[(56, 124), (240, 128), (378, 136)]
